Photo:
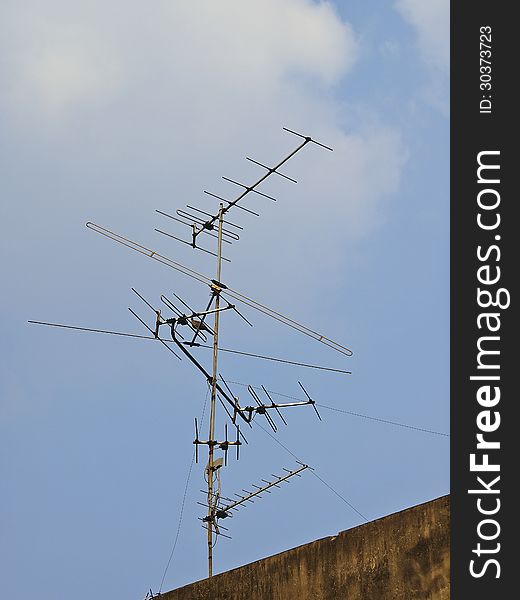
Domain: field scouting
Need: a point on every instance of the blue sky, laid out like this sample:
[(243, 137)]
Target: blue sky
[(110, 110)]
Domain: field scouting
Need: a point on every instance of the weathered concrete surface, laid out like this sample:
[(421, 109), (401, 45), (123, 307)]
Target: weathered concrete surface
[(404, 556)]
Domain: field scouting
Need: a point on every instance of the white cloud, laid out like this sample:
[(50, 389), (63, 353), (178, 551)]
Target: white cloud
[(431, 21), (65, 56), (54, 64), (132, 86), (61, 78)]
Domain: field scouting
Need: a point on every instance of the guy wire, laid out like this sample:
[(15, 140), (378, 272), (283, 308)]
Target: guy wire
[(176, 539), (312, 470), (354, 414)]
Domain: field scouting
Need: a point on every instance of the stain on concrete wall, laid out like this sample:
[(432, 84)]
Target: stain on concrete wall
[(404, 556)]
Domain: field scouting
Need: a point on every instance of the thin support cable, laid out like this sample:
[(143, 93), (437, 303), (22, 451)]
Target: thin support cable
[(352, 413), (313, 471), (339, 496), (176, 539), (93, 330), (386, 421), (276, 359)]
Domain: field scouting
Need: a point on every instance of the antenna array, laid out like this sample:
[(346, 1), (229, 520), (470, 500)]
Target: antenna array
[(190, 329)]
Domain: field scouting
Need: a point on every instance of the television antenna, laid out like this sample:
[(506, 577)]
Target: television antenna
[(191, 328)]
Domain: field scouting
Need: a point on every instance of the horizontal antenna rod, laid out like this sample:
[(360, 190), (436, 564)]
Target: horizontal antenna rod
[(188, 243), (197, 345), (189, 224), (270, 169), (93, 330), (249, 189), (228, 291), (275, 359), (230, 202), (308, 139), (210, 215)]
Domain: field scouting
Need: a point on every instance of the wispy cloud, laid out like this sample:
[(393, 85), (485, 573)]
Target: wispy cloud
[(431, 22), (65, 56), (133, 85)]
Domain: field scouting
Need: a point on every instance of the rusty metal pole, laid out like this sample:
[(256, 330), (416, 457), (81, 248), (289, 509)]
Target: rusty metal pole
[(211, 495)]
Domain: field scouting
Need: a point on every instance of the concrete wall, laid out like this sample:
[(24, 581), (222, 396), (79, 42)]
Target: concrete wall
[(404, 556)]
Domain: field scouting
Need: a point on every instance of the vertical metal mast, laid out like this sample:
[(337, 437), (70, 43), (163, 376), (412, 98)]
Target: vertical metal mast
[(212, 499)]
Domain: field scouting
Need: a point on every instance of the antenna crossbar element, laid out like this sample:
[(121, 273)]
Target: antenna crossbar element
[(310, 400), (203, 212), (225, 232), (263, 409), (217, 531), (271, 170), (307, 138), (170, 235), (189, 220), (182, 317), (275, 406), (223, 445), (248, 189), (230, 202), (185, 221)]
